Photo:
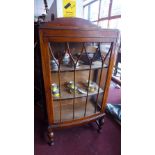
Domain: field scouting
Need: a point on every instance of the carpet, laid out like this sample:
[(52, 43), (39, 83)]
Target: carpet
[(82, 140)]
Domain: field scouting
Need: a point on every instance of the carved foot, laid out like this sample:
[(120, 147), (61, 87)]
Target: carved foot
[(100, 123), (50, 137)]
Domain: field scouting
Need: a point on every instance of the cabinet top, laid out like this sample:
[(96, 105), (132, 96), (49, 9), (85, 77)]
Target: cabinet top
[(76, 30), (72, 23)]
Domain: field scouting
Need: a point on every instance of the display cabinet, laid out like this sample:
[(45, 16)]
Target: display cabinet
[(77, 61)]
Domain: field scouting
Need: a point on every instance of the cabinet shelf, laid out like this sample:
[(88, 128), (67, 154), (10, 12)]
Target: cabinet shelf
[(95, 65), (66, 95), (67, 111)]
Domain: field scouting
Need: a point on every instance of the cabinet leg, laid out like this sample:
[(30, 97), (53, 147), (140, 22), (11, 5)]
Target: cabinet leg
[(50, 136), (100, 123)]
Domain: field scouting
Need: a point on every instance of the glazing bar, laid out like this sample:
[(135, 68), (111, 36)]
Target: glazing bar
[(103, 60)]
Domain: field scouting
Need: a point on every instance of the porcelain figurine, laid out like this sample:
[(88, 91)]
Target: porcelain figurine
[(66, 58), (54, 64)]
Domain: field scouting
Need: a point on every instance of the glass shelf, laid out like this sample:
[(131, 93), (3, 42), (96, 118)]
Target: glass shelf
[(66, 95), (95, 65)]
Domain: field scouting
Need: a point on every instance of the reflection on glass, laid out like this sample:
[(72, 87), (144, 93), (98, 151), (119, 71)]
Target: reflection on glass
[(95, 23), (94, 9), (104, 47), (86, 2), (116, 8), (103, 24), (86, 12), (115, 23), (104, 8)]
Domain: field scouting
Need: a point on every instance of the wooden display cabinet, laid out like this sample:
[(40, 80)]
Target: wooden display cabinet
[(77, 62)]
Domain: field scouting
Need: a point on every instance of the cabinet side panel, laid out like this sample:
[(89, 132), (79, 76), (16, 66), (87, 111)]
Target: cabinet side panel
[(109, 75), (47, 77)]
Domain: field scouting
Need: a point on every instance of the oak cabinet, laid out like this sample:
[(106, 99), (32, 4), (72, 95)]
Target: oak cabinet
[(77, 62)]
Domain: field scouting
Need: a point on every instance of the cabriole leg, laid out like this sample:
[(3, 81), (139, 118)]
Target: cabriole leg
[(50, 136), (100, 123)]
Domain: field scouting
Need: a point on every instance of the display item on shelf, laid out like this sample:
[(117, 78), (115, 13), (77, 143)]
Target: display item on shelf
[(89, 57), (66, 59), (55, 90), (71, 87), (92, 86), (54, 64), (82, 91), (72, 64)]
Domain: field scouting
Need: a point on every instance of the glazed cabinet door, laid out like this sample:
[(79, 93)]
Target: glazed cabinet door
[(78, 72)]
